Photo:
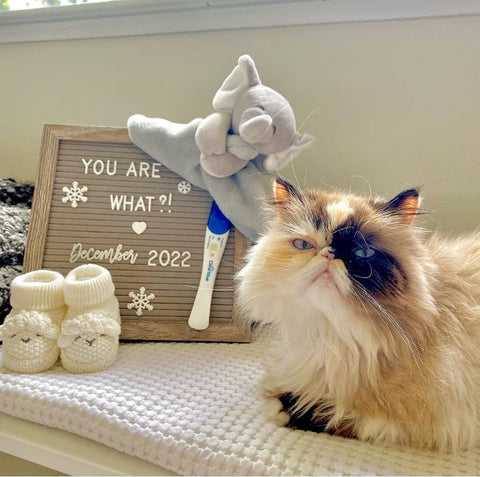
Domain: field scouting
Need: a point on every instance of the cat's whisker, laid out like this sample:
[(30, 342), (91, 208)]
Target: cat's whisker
[(335, 351), (215, 288), (367, 182), (295, 174), (367, 277), (361, 302), (331, 187), (390, 319), (252, 298), (365, 243), (298, 131)]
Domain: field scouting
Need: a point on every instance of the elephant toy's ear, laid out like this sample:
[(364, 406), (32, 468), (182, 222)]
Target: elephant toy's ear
[(243, 76), (276, 161), (248, 66)]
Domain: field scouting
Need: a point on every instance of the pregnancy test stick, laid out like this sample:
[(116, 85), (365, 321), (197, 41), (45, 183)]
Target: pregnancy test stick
[(216, 236)]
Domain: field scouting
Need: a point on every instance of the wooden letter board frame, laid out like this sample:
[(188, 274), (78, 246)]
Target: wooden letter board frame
[(100, 199)]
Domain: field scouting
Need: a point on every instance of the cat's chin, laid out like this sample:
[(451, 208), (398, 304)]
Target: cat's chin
[(327, 291), (323, 291), (324, 279), (329, 281)]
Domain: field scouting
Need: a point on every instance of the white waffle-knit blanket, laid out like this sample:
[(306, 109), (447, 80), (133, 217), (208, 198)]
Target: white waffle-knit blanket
[(194, 408)]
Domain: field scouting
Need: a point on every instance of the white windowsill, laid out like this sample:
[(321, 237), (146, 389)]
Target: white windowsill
[(68, 453), (147, 17)]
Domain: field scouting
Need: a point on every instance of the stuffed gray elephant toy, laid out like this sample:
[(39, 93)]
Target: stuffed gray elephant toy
[(236, 152), (249, 119)]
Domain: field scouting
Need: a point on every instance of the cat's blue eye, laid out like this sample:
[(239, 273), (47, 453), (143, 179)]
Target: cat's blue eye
[(302, 244), (361, 252)]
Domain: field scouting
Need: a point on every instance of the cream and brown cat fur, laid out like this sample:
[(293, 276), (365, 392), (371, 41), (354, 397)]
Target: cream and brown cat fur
[(376, 328)]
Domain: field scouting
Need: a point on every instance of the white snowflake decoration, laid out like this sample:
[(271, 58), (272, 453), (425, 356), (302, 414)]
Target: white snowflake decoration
[(184, 187), (75, 194), (140, 301)]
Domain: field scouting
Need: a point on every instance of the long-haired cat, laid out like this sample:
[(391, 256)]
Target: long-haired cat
[(377, 329)]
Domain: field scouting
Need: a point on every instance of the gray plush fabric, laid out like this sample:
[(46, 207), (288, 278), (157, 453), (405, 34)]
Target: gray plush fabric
[(241, 197), (15, 204)]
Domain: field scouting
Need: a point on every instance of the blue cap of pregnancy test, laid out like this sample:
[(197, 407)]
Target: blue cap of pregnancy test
[(217, 222)]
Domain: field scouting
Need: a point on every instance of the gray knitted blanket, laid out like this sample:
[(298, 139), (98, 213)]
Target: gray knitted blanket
[(15, 204)]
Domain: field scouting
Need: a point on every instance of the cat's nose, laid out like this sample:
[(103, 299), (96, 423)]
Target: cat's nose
[(328, 253)]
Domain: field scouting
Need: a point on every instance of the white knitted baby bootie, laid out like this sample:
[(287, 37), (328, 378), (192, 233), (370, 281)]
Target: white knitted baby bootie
[(91, 328), (31, 329)]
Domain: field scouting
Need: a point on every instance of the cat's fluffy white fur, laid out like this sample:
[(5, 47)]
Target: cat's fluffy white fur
[(400, 365)]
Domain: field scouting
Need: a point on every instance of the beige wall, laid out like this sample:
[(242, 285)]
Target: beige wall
[(392, 104)]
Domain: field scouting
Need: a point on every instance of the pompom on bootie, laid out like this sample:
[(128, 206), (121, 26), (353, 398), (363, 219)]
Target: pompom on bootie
[(31, 329), (90, 331)]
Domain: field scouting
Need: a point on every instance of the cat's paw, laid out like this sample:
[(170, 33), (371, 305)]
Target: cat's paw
[(268, 387), (275, 411)]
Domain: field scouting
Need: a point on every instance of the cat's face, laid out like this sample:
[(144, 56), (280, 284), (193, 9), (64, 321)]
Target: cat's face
[(337, 253)]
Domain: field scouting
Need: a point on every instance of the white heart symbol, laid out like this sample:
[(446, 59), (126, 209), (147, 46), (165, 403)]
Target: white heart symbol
[(139, 227)]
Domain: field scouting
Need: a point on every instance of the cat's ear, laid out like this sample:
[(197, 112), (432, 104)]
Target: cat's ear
[(283, 191), (406, 205)]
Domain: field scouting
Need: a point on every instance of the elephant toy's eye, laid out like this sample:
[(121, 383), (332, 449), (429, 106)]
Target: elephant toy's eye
[(274, 128), (261, 107)]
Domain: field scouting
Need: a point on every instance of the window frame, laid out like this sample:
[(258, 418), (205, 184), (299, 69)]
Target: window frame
[(151, 17)]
